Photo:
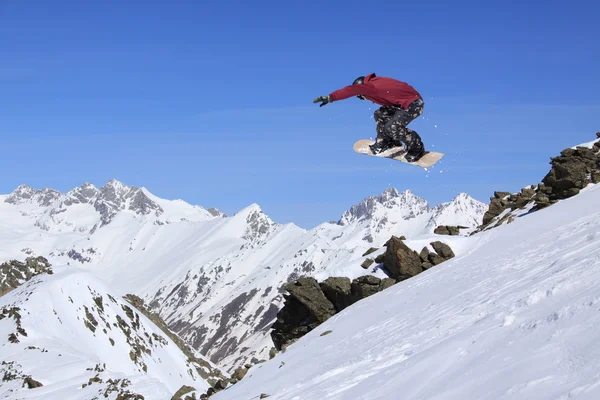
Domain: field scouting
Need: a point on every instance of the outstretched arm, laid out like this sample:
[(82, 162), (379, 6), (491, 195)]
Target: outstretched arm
[(350, 91), (346, 92)]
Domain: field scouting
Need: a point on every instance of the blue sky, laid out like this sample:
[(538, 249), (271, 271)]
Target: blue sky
[(211, 102)]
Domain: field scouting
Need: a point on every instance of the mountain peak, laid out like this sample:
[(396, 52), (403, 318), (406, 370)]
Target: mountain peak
[(462, 210), (389, 193), (23, 192), (391, 198), (257, 223), (27, 194)]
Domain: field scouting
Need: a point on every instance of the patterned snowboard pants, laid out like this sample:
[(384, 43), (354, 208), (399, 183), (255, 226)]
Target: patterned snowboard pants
[(392, 122)]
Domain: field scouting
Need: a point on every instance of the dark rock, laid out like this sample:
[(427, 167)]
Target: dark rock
[(541, 199), (501, 195), (598, 134), (32, 383), (424, 254), (527, 193), (272, 353), (447, 230), (401, 261), (380, 258), (544, 189), (182, 391), (309, 293), (305, 308), (371, 250), (497, 206), (293, 321), (571, 192), (570, 170), (386, 283), (239, 373), (338, 291), (435, 259), (365, 286), (221, 384), (596, 177), (367, 263), (443, 250), (426, 265)]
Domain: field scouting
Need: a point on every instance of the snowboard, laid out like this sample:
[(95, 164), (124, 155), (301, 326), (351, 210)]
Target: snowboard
[(397, 153)]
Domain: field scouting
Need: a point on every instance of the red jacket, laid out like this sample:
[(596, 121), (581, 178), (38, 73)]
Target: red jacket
[(380, 90)]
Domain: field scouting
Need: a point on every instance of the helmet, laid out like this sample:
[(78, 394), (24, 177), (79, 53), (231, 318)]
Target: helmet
[(359, 81)]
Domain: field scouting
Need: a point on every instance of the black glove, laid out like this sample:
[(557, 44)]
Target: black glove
[(323, 99)]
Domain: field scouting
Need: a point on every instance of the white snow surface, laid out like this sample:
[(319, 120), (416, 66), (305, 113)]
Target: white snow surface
[(516, 315), (589, 144), (214, 279), (69, 319)]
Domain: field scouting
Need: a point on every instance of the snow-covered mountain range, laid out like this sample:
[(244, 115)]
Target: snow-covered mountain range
[(64, 333), (512, 306), (516, 317), (215, 279)]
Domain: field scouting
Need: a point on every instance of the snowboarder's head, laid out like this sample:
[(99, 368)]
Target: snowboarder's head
[(359, 81)]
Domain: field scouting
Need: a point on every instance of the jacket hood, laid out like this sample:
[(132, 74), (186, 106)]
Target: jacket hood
[(370, 76)]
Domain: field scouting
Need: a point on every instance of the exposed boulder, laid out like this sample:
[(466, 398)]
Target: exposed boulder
[(448, 230), (435, 259), (294, 320), (571, 172), (308, 292), (371, 250), (32, 383), (367, 263), (400, 260), (443, 250), (338, 291), (386, 283), (365, 286)]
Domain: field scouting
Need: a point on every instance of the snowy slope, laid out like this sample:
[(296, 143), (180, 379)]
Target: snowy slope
[(214, 279), (66, 328), (515, 317)]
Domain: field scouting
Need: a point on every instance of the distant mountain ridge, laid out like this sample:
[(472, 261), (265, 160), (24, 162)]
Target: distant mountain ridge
[(213, 278)]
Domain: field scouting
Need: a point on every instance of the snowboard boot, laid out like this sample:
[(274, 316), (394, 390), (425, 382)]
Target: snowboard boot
[(415, 153), (382, 145)]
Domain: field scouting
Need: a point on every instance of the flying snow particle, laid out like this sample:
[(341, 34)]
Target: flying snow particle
[(435, 126)]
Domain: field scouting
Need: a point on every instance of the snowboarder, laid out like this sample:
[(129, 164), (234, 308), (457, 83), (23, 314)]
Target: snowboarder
[(400, 104)]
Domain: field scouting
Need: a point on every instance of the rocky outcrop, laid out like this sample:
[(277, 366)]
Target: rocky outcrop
[(310, 303), (15, 273), (571, 171), (308, 292), (338, 291), (401, 261), (448, 230)]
